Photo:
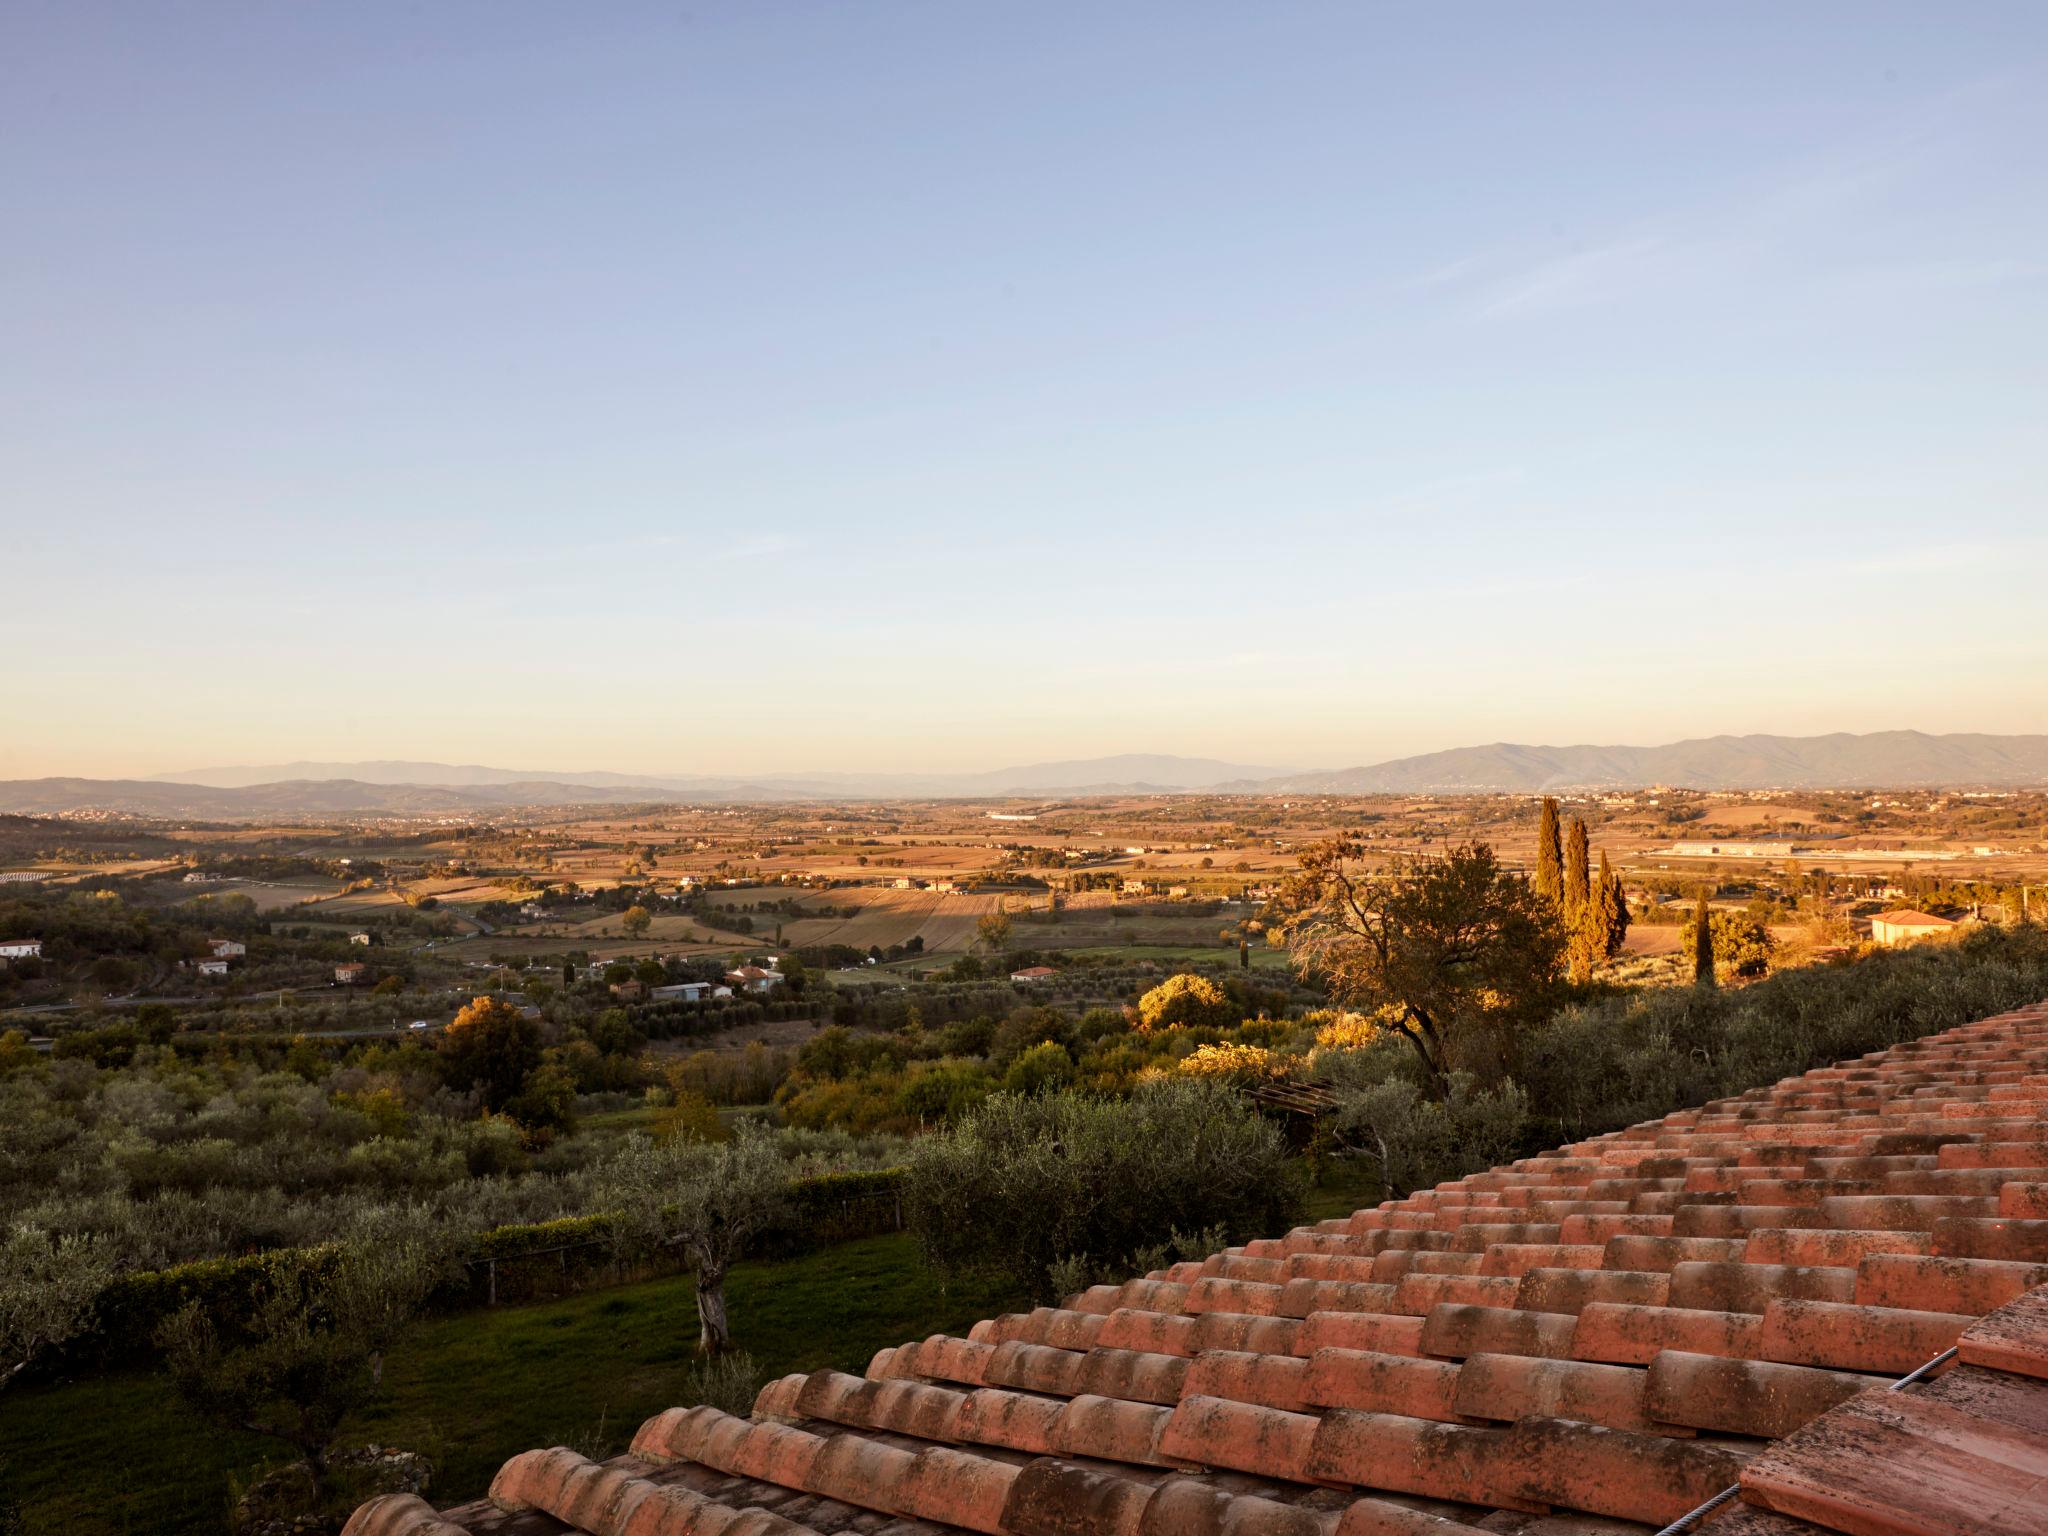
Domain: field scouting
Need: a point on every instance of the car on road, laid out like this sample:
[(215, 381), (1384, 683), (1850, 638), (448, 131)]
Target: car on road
[(419, 1024)]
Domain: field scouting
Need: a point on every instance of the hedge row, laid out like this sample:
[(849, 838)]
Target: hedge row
[(525, 1262)]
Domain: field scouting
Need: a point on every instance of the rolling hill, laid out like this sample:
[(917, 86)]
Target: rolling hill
[(1893, 759)]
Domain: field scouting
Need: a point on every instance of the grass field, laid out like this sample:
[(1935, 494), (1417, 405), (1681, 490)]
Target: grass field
[(118, 1454), (270, 896), (888, 916), (1184, 954)]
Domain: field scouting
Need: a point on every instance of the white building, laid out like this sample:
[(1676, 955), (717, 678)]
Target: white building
[(751, 978), (226, 949), (682, 992), (20, 949), (211, 967), (359, 938), (1907, 926)]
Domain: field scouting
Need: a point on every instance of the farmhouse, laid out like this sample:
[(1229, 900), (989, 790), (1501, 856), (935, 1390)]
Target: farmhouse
[(1569, 1344), (1906, 925), (211, 967), (348, 975), (904, 883), (226, 949), (945, 887), (20, 949), (751, 978), (1134, 887), (1034, 973), (359, 938)]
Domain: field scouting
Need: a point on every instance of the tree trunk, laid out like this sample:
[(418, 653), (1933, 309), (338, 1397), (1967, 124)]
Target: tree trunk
[(714, 1335), (315, 1458)]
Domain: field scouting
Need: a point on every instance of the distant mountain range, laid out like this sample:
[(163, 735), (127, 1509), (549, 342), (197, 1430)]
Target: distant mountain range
[(1132, 771), (1892, 759), (294, 798)]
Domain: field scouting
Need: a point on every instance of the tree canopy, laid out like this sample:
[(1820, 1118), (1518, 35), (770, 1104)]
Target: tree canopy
[(311, 1353), (48, 1285), (491, 1047), (711, 1201), (1453, 953), (1027, 1186), (1191, 1001)]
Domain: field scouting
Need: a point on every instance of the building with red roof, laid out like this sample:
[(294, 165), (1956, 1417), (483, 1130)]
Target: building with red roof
[(1906, 925)]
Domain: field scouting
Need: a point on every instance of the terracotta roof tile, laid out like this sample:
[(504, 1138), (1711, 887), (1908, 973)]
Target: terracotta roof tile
[(2014, 1338), (1585, 1343), (1890, 1461)]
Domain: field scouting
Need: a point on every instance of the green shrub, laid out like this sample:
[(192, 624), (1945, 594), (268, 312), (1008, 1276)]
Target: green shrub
[(1023, 1183), (1041, 1069), (1188, 999), (1626, 1059)]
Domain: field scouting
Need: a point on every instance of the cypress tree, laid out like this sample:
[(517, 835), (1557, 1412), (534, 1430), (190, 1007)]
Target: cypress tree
[(1612, 904), (1549, 856), (1577, 881), (1702, 944)]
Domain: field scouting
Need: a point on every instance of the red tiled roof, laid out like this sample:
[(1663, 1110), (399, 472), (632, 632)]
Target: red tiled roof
[(1596, 1340), (1908, 917)]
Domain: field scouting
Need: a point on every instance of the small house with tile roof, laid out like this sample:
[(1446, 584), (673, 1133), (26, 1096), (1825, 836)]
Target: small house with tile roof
[(752, 978), (1905, 926)]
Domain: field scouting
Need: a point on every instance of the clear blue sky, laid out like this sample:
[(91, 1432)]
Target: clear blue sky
[(878, 385)]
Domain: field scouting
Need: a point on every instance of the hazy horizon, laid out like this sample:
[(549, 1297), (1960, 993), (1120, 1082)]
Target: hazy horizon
[(859, 389), (1143, 766)]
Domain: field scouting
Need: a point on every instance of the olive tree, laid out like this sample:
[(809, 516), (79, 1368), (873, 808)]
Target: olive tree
[(1026, 1188), (310, 1352), (1410, 1140), (48, 1286), (707, 1201), (1454, 953)]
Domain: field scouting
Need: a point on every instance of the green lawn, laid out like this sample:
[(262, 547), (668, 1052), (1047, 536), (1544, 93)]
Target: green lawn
[(119, 1454)]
